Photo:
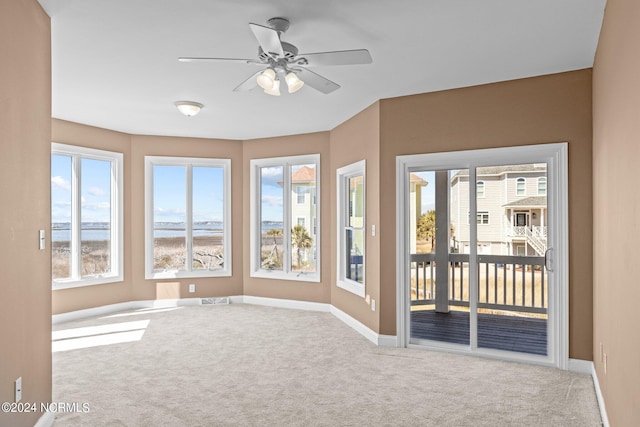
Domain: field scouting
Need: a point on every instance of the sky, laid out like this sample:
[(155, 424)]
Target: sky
[(95, 189), (272, 191), (428, 191), (169, 192)]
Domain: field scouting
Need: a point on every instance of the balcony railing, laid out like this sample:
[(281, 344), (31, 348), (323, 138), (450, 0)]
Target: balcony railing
[(507, 283), (522, 231)]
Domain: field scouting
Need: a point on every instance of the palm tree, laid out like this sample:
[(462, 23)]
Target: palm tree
[(300, 239), (273, 261)]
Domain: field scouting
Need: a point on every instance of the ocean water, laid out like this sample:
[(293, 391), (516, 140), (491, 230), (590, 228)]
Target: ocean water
[(61, 232)]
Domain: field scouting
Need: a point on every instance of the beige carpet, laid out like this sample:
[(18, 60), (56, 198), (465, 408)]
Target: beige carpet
[(260, 366)]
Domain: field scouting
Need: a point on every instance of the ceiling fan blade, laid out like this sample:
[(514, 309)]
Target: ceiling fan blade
[(195, 59), (317, 82), (248, 84), (269, 40), (340, 57)]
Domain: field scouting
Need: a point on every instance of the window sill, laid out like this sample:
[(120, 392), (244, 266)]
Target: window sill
[(293, 276), (57, 285), (187, 275), (351, 286)]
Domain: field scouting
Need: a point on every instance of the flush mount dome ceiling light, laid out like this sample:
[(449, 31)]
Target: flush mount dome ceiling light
[(189, 108), (283, 62)]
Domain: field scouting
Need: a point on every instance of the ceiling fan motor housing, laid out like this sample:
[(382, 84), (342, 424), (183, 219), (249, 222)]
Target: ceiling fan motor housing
[(290, 52)]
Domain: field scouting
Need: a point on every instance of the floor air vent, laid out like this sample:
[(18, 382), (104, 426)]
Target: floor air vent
[(215, 301)]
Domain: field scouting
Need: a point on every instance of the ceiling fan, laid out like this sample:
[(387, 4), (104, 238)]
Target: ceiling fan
[(283, 62)]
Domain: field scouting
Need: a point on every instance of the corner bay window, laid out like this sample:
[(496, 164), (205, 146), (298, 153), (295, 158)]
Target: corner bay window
[(285, 217), (351, 227), (188, 218), (86, 216)]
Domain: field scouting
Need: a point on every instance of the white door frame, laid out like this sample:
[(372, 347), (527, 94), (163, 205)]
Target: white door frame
[(556, 158)]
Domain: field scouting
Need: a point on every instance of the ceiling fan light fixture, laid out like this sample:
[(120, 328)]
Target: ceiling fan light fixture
[(266, 80), (189, 108), (293, 82), (275, 90)]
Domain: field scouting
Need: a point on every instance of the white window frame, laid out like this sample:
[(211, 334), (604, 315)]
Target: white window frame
[(342, 193), (300, 193), (189, 163), (286, 273), (524, 186), (556, 158), (480, 184), (542, 179), (117, 214), (480, 215)]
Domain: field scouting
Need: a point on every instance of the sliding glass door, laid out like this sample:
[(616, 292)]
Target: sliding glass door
[(478, 265)]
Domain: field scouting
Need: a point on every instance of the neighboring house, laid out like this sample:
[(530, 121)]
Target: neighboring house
[(511, 210), (303, 203)]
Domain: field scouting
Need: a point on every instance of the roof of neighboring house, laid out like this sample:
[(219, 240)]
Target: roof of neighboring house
[(535, 201), (418, 180), (497, 170), (304, 174)]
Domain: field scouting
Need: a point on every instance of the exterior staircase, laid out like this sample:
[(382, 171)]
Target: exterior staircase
[(536, 240)]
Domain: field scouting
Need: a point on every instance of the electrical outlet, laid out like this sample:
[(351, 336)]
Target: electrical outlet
[(192, 287), (373, 230), (18, 390), (605, 363), (373, 305)]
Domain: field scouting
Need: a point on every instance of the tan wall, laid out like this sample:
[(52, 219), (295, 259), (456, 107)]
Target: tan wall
[(546, 109), (616, 153), (183, 147), (25, 131), (359, 139), (135, 287), (312, 143), (65, 300)]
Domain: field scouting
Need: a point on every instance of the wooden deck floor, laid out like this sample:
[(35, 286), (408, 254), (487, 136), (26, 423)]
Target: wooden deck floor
[(511, 333)]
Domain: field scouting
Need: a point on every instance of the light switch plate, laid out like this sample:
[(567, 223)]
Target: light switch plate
[(18, 389)]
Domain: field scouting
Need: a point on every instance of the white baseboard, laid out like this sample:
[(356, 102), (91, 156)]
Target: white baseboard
[(387, 341), (377, 339), (355, 324), (599, 396), (362, 329), (284, 303), (582, 366), (589, 368), (46, 420), (113, 308)]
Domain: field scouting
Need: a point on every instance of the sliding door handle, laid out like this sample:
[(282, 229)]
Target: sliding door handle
[(548, 262)]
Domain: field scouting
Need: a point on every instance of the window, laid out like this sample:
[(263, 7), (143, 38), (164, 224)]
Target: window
[(542, 186), (351, 227), (86, 216), (482, 218), (520, 189), (284, 244), (188, 217), (300, 191), (480, 189)]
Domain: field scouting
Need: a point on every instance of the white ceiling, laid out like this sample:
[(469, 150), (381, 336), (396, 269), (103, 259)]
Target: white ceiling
[(115, 62)]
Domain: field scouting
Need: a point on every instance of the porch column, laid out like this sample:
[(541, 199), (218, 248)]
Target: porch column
[(442, 241)]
